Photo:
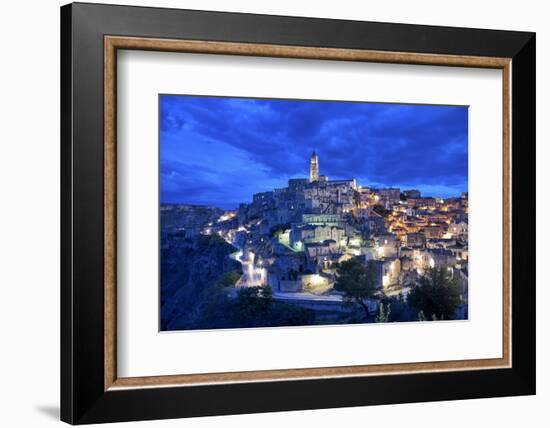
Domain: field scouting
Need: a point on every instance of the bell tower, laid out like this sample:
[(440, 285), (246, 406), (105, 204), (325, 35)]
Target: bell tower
[(313, 168)]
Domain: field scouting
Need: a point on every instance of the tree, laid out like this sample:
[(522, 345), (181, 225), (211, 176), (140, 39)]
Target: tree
[(254, 305), (383, 314), (278, 229), (435, 295), (357, 281), (229, 279), (288, 314), (397, 309)]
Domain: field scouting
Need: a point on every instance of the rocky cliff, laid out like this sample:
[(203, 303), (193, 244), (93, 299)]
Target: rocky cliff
[(191, 272)]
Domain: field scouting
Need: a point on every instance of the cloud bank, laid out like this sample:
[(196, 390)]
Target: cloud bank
[(220, 151)]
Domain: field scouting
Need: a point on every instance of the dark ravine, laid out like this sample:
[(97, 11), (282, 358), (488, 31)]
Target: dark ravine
[(191, 270)]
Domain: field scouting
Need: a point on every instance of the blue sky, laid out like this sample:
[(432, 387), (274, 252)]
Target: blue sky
[(220, 151)]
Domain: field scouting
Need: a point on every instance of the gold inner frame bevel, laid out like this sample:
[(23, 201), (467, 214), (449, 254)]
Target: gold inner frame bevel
[(113, 43)]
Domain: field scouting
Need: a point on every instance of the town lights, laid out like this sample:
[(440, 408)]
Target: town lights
[(355, 242), (317, 279)]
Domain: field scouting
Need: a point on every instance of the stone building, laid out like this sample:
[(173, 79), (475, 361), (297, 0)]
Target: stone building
[(390, 195), (314, 168), (387, 271), (306, 233), (459, 230), (387, 245), (413, 193), (415, 240), (434, 232)]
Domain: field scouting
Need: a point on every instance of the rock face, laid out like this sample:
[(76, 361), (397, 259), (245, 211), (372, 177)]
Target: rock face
[(191, 270), (174, 216)]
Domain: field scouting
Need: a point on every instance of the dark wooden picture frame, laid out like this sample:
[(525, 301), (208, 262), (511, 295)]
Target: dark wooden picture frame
[(90, 389)]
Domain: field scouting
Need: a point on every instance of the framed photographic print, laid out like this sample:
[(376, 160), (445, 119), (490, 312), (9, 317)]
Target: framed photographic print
[(266, 213)]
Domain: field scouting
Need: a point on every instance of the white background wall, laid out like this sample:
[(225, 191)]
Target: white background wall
[(29, 218)]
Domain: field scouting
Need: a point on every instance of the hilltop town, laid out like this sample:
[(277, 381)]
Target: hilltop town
[(292, 239)]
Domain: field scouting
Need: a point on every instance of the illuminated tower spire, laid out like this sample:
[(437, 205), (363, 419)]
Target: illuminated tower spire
[(313, 167)]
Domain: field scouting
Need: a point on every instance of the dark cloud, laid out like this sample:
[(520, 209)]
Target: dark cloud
[(214, 147)]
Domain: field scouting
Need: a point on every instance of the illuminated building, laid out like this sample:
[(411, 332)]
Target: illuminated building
[(387, 245), (389, 195), (313, 167), (416, 240)]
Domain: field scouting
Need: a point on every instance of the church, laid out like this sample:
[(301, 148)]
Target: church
[(315, 195), (316, 178)]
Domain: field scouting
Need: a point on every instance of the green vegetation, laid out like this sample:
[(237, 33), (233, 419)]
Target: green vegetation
[(357, 281), (278, 229), (435, 296), (254, 304), (252, 307), (229, 279), (198, 292), (397, 309), (256, 308), (383, 313)]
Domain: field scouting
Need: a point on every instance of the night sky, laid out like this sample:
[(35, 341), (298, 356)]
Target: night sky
[(220, 151)]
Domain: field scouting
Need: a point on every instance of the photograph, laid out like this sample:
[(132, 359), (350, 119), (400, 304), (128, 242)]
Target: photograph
[(267, 211), (287, 212)]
